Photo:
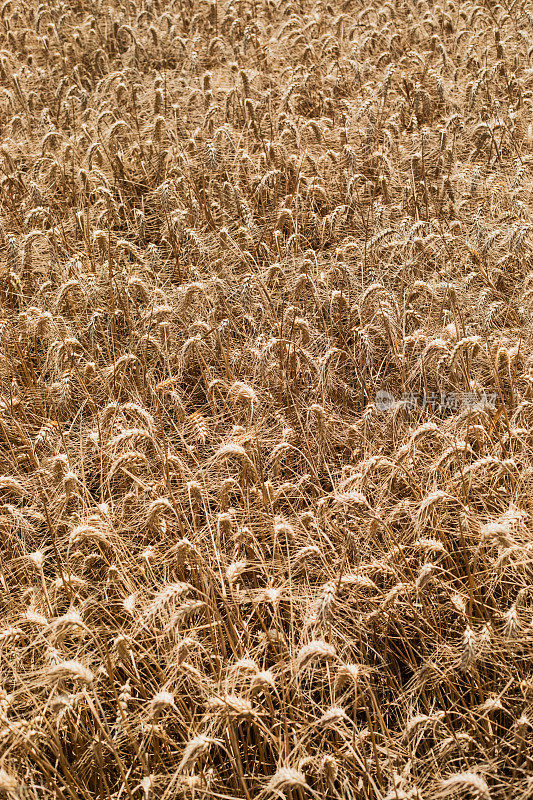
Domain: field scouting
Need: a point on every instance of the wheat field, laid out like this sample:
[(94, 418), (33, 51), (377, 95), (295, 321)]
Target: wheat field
[(266, 410)]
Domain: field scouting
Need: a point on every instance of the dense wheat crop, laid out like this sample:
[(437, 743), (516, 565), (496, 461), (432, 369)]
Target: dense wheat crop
[(266, 410)]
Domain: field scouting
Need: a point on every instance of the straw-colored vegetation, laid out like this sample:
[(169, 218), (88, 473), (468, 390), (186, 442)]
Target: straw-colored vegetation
[(226, 572)]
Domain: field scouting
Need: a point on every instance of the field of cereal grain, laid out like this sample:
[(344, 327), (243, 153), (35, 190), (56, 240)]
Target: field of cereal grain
[(266, 400)]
